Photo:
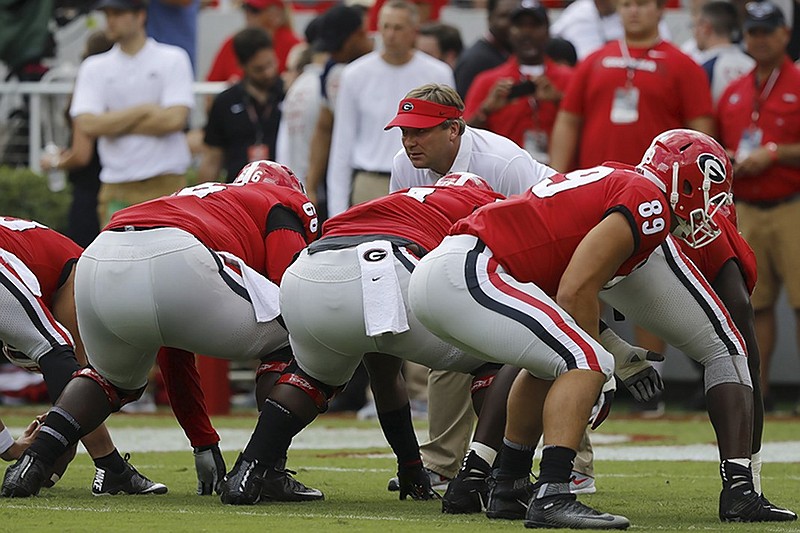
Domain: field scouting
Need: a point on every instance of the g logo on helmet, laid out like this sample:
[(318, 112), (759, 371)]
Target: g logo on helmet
[(711, 166), (407, 107), (375, 255)]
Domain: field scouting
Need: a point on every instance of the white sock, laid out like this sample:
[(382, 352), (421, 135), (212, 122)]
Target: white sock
[(487, 453), (755, 466)]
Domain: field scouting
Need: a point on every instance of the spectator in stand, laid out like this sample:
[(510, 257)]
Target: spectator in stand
[(243, 122), (715, 32), (361, 153), (489, 51), (519, 99), (270, 15), (441, 41), (759, 121), (135, 99), (428, 10), (175, 22), (591, 24), (82, 163)]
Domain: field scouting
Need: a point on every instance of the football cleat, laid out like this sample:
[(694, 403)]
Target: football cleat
[(581, 483), (129, 481), (508, 498), (278, 485), (469, 490), (554, 506), (438, 482), (742, 504), (25, 477), (242, 485)]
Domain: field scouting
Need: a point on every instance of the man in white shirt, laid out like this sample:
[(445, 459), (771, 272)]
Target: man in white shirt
[(361, 154), (427, 155), (135, 99)]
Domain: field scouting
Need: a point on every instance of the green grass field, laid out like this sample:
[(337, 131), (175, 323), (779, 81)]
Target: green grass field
[(657, 495)]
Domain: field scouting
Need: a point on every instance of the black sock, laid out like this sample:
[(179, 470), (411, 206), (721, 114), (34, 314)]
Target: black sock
[(399, 432), (515, 461), (112, 462), (59, 432), (556, 464), (274, 432)]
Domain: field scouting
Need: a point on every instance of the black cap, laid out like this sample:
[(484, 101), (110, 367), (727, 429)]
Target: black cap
[(765, 15), (336, 25), (532, 7), (123, 5)]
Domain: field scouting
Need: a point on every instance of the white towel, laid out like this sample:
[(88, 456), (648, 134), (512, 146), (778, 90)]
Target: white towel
[(24, 273), (384, 308), (263, 293)]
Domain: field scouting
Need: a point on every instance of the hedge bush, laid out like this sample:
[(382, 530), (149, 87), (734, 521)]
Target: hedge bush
[(24, 194)]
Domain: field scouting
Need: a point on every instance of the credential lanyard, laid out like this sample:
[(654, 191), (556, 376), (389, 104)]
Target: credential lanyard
[(760, 99)]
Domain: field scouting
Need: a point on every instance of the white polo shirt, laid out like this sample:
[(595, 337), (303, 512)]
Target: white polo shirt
[(508, 168), (299, 113), (158, 74)]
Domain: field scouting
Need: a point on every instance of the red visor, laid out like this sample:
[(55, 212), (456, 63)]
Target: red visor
[(421, 114)]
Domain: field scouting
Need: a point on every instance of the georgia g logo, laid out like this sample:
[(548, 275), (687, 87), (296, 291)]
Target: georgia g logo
[(711, 166), (374, 255), (407, 107)]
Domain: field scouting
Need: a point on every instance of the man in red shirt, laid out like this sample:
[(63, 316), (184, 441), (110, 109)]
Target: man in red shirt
[(758, 118), (271, 15), (198, 271), (343, 300), (604, 223), (626, 93), (519, 99), (39, 331)]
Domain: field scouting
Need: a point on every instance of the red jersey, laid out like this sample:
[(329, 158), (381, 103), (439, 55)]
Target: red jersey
[(779, 121), (672, 89), (534, 235), (729, 245), (234, 219), (225, 66), (44, 251), (521, 114), (422, 215)]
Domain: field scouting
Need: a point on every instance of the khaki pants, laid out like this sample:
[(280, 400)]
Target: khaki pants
[(450, 420), (368, 186), (116, 196)]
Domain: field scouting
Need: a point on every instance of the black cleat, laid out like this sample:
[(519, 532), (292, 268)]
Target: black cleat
[(25, 477), (468, 492), (279, 486), (742, 504), (554, 506), (242, 485), (130, 481), (508, 498)]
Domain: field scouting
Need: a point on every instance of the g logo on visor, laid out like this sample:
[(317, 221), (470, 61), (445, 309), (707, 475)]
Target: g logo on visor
[(712, 167), (407, 107)]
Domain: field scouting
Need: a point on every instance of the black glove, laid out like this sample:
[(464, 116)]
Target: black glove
[(210, 468), (415, 482), (645, 383)]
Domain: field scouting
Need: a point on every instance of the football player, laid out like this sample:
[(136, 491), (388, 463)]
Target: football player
[(38, 331), (197, 271), (536, 293), (344, 300)]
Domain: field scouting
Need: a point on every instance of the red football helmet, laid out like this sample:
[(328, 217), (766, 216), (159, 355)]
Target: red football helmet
[(264, 171), (696, 173), (463, 179)]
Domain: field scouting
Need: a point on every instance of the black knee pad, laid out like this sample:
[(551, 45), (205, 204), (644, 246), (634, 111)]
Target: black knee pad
[(319, 392)]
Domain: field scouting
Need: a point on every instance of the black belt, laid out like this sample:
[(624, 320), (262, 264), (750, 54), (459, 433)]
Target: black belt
[(135, 228), (768, 204), (378, 172)]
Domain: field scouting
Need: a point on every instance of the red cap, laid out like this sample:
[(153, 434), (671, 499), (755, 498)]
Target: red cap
[(262, 4), (421, 114)]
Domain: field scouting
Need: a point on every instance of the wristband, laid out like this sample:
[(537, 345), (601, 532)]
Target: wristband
[(772, 148), (6, 440)]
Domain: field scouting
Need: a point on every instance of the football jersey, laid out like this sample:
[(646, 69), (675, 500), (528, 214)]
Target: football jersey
[(533, 236), (422, 215), (44, 251), (230, 218), (729, 245)]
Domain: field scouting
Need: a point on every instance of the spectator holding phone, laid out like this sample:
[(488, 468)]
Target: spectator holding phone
[(520, 98)]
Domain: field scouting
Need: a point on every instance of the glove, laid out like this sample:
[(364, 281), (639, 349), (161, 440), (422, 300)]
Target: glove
[(602, 408), (633, 367), (210, 468), (415, 482)]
